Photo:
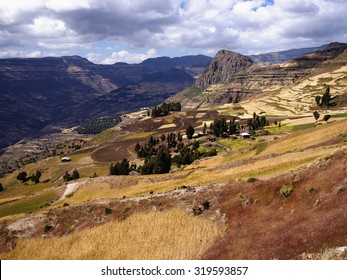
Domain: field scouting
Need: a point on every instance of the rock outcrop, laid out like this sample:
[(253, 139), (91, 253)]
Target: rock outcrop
[(223, 66), (231, 76)]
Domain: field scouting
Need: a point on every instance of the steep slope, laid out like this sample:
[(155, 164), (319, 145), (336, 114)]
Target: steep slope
[(152, 90), (39, 95), (223, 66), (231, 77)]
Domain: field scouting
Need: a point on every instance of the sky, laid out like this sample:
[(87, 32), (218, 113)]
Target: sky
[(110, 31)]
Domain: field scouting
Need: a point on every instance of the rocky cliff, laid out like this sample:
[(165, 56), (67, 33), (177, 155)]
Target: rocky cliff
[(223, 66), (231, 76)]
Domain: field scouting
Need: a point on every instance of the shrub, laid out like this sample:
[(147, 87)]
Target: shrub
[(326, 118), (47, 228), (312, 190), (69, 195), (341, 189), (206, 205), (108, 211), (66, 204), (251, 180), (286, 191)]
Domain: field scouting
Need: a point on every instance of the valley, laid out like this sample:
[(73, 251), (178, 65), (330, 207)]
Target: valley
[(278, 193)]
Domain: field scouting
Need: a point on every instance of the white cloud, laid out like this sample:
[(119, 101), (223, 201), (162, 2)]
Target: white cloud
[(66, 6), (125, 56), (20, 53), (47, 27), (94, 57), (191, 25)]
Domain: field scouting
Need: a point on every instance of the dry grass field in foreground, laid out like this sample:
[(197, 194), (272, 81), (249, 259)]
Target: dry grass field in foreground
[(172, 234)]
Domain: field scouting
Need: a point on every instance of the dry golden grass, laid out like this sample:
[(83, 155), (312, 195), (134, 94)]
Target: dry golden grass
[(262, 168), (172, 234), (133, 186), (139, 135), (307, 138)]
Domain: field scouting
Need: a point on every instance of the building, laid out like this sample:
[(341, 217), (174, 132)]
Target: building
[(245, 135), (65, 159)]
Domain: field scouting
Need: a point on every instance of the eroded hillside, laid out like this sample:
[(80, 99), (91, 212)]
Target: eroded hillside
[(279, 193)]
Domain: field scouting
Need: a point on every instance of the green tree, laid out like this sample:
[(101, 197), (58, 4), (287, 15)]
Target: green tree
[(196, 145), (318, 100), (36, 177), (190, 131), (326, 97), (67, 177), (316, 115), (205, 128), (22, 176), (120, 168), (75, 175), (326, 118), (162, 161)]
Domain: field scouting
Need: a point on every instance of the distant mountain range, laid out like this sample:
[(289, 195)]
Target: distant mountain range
[(283, 56), (40, 95)]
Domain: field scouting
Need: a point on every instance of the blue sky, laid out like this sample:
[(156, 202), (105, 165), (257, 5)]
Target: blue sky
[(109, 31)]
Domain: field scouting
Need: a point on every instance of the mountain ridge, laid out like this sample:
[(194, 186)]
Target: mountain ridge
[(245, 78), (41, 93)]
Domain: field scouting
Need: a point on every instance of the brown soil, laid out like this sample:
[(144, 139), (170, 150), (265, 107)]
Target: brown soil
[(265, 225), (124, 148)]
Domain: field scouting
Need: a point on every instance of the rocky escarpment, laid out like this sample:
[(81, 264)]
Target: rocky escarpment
[(223, 66), (231, 76)]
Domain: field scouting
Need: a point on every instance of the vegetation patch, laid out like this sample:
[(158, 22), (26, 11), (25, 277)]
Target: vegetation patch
[(173, 234), (261, 147), (341, 115), (286, 191), (139, 135), (28, 204), (302, 126), (97, 126)]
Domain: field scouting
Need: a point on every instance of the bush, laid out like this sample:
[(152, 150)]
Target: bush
[(286, 191), (251, 180), (47, 228), (66, 204), (206, 205), (108, 211)]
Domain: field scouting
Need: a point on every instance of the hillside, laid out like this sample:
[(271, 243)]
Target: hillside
[(278, 193), (239, 77), (42, 95)]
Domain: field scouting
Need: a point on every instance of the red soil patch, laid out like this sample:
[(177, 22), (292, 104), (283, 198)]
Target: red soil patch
[(265, 225)]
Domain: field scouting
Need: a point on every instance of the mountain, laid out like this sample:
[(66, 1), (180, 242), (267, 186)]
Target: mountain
[(223, 66), (231, 76), (40, 94), (284, 183), (283, 56)]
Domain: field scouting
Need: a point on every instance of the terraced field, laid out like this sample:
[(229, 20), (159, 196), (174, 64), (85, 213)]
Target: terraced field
[(224, 200)]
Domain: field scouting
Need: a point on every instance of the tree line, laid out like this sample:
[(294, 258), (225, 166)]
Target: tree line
[(165, 109), (35, 178)]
